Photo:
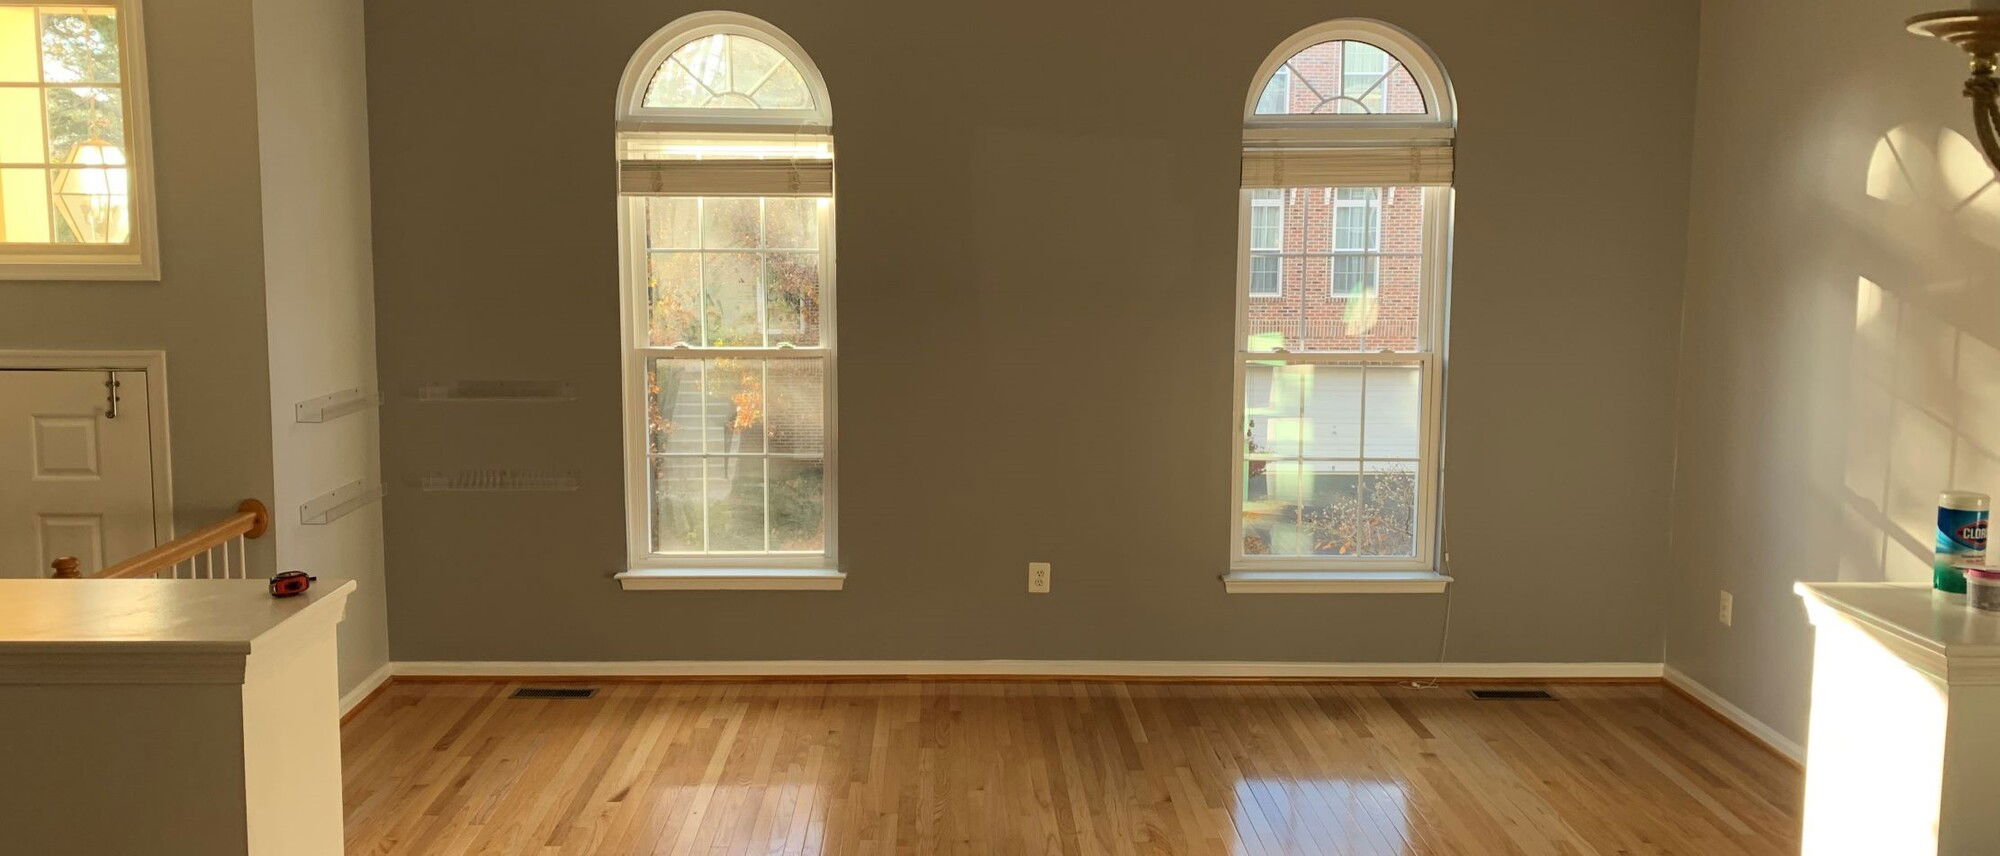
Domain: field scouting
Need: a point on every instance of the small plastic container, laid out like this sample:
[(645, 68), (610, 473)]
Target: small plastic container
[(1982, 588), (1961, 538)]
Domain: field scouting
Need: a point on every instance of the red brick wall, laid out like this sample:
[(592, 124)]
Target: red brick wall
[(1306, 311)]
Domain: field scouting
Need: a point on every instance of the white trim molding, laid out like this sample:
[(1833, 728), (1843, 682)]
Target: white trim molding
[(1334, 582), (1025, 668), (354, 697), (731, 579), (1738, 716)]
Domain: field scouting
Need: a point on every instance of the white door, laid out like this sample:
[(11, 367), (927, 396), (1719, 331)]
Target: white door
[(75, 480)]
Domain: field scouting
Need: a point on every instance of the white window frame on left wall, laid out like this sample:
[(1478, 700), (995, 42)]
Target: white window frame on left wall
[(139, 259)]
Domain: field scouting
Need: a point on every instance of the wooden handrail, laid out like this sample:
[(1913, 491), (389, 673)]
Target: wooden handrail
[(251, 520)]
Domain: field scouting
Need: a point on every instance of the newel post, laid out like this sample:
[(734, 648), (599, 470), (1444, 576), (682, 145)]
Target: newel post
[(66, 568)]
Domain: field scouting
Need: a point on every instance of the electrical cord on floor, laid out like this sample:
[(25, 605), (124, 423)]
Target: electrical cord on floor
[(1444, 633)]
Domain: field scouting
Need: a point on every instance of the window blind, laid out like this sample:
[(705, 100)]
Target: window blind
[(1386, 165), (726, 177)]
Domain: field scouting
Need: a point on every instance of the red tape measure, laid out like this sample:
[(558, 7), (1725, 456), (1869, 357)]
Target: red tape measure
[(291, 583)]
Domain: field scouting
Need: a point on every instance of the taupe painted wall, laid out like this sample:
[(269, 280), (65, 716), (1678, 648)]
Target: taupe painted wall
[(320, 287), (1842, 326), (207, 310), (1037, 230)]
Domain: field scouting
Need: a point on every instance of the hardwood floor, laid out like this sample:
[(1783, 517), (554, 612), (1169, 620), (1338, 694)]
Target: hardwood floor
[(1074, 767)]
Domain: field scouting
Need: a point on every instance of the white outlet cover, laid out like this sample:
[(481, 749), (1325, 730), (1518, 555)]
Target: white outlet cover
[(1726, 612), (1038, 577)]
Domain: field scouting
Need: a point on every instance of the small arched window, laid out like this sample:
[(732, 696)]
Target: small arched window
[(724, 68), (725, 147), (1344, 243)]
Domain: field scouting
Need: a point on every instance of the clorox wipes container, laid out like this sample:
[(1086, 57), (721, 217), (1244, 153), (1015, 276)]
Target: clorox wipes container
[(1961, 538)]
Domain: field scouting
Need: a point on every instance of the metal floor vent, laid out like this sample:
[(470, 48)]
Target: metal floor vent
[(554, 692), (1512, 695)]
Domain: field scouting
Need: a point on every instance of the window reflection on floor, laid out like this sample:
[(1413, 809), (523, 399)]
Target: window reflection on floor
[(1320, 816)]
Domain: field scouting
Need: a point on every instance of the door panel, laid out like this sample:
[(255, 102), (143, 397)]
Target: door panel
[(74, 480)]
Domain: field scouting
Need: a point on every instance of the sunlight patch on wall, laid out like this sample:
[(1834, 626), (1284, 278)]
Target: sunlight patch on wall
[(1900, 444), (1941, 170), (1919, 467), (1923, 399), (1968, 178), (1888, 178)]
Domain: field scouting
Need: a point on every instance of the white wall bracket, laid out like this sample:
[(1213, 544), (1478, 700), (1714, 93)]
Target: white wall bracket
[(334, 405), (338, 503)]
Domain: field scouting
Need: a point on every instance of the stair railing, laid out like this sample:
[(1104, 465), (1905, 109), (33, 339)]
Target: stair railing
[(204, 553)]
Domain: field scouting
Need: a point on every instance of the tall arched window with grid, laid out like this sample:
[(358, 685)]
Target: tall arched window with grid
[(1345, 212), (725, 170)]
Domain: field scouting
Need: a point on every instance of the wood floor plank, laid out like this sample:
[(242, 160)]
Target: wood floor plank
[(1061, 766)]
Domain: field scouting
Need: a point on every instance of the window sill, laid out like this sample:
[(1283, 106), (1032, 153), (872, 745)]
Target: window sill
[(1334, 582), (732, 579), (76, 269)]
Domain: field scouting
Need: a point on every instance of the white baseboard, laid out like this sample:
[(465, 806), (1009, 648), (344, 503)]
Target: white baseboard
[(368, 685), (1758, 728), (1092, 668)]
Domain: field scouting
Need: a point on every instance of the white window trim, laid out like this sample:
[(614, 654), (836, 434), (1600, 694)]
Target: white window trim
[(1334, 582), (634, 115), (1422, 573), (1279, 254), (1287, 72), (732, 579), (1429, 439), (1441, 108), (646, 570), (1373, 251), (1379, 88), (138, 260)]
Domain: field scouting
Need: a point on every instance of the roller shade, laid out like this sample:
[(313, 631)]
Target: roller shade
[(769, 177), (1389, 165)]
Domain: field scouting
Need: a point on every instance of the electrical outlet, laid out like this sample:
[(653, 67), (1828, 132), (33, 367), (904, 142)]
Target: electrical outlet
[(1038, 578), (1727, 610)]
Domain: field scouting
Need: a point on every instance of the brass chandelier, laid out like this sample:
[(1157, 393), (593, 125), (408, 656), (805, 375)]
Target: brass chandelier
[(1977, 31)]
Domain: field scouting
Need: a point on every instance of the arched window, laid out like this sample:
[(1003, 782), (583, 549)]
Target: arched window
[(1345, 214), (725, 172)]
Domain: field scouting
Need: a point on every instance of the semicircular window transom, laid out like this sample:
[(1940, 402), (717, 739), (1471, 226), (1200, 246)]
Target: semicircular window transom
[(728, 71), (1343, 77)]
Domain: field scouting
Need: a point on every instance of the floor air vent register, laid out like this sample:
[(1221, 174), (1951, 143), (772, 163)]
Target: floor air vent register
[(1511, 695), (554, 692)]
